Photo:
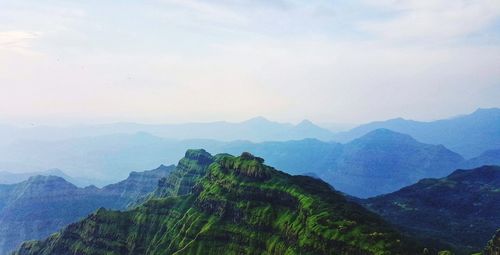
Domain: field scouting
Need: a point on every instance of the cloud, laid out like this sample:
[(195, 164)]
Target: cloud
[(18, 41), (172, 60)]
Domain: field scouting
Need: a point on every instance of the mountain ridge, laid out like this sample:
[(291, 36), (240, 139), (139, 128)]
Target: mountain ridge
[(43, 204), (468, 134), (229, 210), (460, 209)]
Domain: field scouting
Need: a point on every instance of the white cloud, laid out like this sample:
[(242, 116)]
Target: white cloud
[(18, 41)]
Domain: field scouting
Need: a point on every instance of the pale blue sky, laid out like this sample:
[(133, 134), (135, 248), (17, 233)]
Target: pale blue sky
[(191, 60)]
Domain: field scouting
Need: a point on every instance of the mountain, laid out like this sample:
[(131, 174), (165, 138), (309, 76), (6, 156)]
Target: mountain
[(11, 178), (470, 135), (104, 159), (490, 157), (80, 150), (256, 129), (136, 186), (294, 157), (369, 161), (231, 205), (383, 161), (43, 204), (461, 209), (110, 158)]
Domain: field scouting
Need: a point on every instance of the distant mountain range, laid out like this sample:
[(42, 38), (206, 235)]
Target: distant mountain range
[(41, 205), (256, 129), (379, 162), (460, 210), (469, 135), (231, 205), (350, 166)]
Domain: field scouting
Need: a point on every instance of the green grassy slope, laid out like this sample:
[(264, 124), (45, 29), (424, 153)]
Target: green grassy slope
[(231, 205)]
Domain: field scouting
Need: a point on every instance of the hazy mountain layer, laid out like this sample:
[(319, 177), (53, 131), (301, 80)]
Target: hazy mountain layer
[(379, 162), (470, 135), (11, 178), (460, 210), (238, 206), (256, 129), (43, 204), (383, 161), (491, 157), (363, 167)]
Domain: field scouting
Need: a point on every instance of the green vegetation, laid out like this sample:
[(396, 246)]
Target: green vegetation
[(231, 205)]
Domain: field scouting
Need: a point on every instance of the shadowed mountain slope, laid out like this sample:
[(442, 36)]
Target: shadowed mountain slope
[(43, 204), (460, 209)]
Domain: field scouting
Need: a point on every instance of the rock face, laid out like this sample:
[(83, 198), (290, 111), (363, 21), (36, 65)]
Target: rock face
[(461, 210), (43, 204), (230, 205), (189, 169), (136, 186)]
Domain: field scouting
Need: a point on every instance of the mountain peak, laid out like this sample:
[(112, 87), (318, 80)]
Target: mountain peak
[(246, 165), (230, 205), (46, 178), (486, 112), (40, 185), (383, 134), (492, 109), (257, 120), (198, 155), (306, 122), (162, 166)]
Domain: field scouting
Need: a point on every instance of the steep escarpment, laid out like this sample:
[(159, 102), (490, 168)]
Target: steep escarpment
[(136, 186), (237, 206), (189, 169)]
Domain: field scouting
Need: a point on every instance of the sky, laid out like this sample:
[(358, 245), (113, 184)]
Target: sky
[(168, 61)]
